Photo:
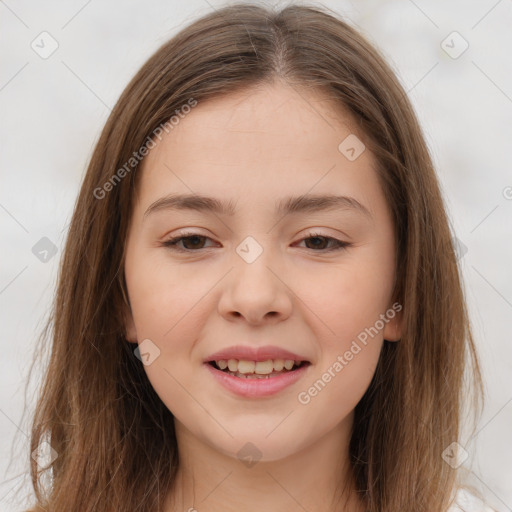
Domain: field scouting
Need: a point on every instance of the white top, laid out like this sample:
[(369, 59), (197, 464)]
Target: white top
[(467, 502)]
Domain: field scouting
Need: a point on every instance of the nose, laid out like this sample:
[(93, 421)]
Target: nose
[(256, 292)]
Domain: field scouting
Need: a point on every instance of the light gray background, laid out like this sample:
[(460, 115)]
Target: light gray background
[(53, 110)]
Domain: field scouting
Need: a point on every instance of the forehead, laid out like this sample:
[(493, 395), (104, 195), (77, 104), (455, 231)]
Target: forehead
[(270, 115), (259, 144)]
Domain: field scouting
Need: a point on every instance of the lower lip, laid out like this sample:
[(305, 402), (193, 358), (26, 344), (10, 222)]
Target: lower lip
[(255, 388)]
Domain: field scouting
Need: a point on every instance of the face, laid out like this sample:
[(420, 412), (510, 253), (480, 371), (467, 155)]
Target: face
[(314, 281)]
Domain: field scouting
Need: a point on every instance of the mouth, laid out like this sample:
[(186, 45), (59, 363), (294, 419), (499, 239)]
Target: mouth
[(269, 369), (256, 379)]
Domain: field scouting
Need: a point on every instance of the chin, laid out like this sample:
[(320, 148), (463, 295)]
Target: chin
[(253, 448)]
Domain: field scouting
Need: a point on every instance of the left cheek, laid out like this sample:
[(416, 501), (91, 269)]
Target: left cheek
[(351, 382), (361, 295)]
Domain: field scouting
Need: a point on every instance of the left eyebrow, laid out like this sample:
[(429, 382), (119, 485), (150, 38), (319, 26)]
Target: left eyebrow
[(288, 205)]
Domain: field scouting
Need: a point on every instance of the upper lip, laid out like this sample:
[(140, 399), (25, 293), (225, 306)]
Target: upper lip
[(254, 354)]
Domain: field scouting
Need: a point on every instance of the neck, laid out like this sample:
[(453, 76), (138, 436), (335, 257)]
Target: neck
[(315, 479)]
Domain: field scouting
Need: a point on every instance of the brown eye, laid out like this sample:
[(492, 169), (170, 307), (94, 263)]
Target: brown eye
[(320, 243), (191, 242)]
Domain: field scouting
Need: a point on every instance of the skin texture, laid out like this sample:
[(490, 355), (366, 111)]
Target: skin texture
[(254, 148)]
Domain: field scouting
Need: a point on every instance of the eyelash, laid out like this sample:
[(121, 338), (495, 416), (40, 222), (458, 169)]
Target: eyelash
[(172, 242)]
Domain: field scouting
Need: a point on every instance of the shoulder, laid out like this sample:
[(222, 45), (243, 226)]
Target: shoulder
[(467, 502)]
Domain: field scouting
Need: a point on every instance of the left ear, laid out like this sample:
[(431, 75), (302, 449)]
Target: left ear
[(393, 328)]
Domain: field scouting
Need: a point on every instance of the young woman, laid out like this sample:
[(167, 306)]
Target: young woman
[(259, 305)]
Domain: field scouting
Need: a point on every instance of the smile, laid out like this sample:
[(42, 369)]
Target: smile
[(257, 369), (253, 379)]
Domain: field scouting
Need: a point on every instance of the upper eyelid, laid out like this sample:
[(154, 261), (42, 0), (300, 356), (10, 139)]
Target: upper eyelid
[(186, 234)]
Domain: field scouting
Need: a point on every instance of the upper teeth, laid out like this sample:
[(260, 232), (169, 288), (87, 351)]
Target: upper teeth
[(260, 367)]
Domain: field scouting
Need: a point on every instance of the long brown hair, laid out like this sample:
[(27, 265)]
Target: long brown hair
[(114, 437)]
